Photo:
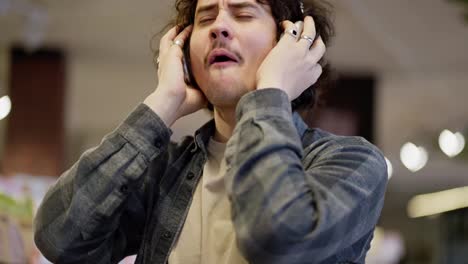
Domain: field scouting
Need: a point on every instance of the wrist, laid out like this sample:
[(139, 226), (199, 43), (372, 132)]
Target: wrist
[(165, 108), (264, 82), (263, 102), (274, 85)]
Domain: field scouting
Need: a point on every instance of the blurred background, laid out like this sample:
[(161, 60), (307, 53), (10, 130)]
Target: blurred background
[(71, 71)]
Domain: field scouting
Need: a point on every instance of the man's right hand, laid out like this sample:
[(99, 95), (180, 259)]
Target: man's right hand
[(173, 98)]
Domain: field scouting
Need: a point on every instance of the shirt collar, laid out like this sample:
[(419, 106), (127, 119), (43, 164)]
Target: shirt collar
[(300, 125), (203, 134)]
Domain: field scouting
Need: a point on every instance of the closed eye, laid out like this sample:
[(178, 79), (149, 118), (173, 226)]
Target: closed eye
[(205, 20), (243, 15)]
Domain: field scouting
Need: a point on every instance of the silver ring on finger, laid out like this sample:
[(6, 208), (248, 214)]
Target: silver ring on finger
[(178, 42), (292, 32), (311, 40)]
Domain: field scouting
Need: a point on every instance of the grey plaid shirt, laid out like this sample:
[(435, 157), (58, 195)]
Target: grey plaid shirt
[(298, 195)]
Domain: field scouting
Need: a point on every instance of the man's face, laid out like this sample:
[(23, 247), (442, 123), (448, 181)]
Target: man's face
[(229, 41)]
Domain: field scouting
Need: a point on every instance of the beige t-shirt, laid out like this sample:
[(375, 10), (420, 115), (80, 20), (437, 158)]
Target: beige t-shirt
[(208, 235)]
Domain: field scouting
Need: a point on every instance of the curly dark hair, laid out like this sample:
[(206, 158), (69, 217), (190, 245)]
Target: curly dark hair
[(281, 10)]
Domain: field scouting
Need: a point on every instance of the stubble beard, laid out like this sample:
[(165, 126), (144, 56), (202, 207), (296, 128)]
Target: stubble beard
[(225, 94)]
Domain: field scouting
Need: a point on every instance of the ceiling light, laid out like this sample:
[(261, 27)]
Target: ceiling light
[(413, 157), (451, 143), (5, 106)]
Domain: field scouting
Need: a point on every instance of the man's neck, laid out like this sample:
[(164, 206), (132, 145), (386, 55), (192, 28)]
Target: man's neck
[(225, 120)]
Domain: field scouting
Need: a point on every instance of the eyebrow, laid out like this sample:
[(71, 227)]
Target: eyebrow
[(240, 5)]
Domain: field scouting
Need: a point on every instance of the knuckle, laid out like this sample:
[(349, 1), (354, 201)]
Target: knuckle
[(312, 61), (319, 71), (319, 68), (322, 43), (315, 68), (320, 46), (323, 48)]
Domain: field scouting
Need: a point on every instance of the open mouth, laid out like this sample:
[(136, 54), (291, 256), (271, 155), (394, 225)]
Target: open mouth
[(220, 57)]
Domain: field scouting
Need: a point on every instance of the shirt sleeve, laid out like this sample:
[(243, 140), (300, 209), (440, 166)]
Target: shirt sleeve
[(95, 211), (291, 204)]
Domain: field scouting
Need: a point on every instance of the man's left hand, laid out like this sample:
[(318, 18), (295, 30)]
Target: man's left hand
[(292, 65)]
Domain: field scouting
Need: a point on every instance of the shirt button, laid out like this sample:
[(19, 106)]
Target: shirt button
[(167, 235), (190, 176), (124, 188)]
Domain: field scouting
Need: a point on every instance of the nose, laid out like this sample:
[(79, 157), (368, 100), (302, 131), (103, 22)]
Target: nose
[(220, 29), (223, 34)]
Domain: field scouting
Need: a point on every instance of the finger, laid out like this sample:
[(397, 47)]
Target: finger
[(182, 36), (316, 72), (309, 27), (196, 97), (291, 31), (309, 32), (287, 24), (317, 50), (166, 40), (300, 27)]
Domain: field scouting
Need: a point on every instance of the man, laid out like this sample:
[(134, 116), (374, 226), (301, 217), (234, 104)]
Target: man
[(255, 185)]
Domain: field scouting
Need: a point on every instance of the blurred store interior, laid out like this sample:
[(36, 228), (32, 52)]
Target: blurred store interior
[(71, 71)]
